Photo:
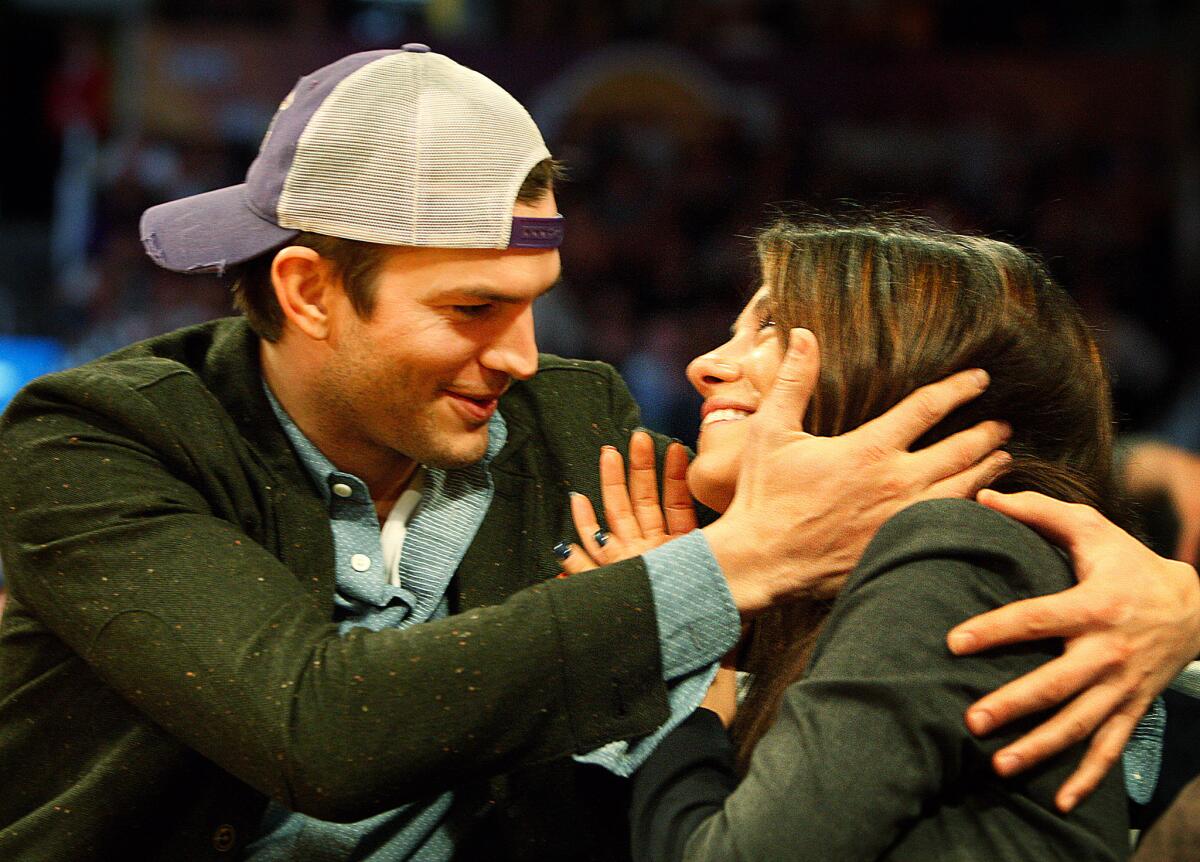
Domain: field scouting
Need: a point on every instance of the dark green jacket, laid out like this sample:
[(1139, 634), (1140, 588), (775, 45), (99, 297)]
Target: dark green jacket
[(168, 660)]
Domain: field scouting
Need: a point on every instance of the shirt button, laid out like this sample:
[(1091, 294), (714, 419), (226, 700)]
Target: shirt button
[(342, 489), (224, 838), (360, 562)]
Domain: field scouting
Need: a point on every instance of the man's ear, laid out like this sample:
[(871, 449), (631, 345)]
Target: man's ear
[(304, 282)]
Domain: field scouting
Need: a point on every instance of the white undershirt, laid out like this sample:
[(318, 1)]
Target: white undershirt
[(395, 528)]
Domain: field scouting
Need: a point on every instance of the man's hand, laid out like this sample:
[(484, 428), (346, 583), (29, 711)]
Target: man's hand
[(1154, 466), (1130, 625), (805, 507)]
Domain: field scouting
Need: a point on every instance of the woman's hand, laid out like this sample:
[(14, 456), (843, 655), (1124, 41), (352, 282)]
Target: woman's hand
[(722, 695), (637, 521), (1129, 626)]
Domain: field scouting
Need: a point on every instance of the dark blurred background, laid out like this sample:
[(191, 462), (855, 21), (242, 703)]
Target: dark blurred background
[(1069, 128)]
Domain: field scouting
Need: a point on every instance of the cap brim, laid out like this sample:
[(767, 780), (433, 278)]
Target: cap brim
[(208, 232)]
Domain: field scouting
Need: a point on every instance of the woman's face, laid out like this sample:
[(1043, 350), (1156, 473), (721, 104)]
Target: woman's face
[(733, 379)]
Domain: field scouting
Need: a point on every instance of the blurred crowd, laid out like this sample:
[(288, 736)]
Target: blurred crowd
[(1068, 128)]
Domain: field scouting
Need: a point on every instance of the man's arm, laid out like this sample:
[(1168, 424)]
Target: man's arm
[(112, 540), (1130, 625), (118, 541)]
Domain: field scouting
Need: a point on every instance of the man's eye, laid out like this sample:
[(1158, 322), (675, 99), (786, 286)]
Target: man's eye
[(471, 311)]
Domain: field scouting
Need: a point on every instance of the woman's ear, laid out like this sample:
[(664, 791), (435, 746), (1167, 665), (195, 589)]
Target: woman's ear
[(303, 282)]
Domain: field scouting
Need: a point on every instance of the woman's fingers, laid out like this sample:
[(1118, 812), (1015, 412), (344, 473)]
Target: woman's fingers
[(721, 697), (614, 496), (575, 559), (636, 520), (678, 506), (643, 486), (601, 546)]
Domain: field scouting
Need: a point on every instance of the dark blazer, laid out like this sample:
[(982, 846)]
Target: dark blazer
[(168, 660), (869, 758)]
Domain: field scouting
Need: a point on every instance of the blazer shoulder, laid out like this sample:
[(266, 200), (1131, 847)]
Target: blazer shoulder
[(144, 363), (568, 385), (129, 372), (559, 370), (155, 390), (965, 530), (573, 407)]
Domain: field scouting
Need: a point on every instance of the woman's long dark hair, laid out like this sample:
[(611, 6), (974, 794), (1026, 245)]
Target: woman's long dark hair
[(895, 304)]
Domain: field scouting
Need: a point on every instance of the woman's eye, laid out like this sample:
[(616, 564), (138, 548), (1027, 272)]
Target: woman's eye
[(765, 322)]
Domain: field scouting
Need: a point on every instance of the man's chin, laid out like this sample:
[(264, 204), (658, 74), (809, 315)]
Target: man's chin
[(455, 457)]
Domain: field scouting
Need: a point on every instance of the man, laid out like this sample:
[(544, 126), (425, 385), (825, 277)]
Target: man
[(303, 559)]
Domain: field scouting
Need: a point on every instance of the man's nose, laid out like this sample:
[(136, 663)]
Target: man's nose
[(514, 352)]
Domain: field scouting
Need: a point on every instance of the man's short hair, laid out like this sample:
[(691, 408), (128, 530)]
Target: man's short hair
[(355, 262)]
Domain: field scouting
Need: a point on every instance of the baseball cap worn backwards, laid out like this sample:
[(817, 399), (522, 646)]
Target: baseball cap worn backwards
[(400, 147)]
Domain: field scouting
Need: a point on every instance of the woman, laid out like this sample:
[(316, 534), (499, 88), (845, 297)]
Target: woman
[(850, 743)]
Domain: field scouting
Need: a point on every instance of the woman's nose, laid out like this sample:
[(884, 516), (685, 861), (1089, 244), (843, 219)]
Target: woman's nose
[(710, 369)]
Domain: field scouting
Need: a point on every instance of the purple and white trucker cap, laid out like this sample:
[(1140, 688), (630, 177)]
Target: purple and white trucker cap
[(402, 147)]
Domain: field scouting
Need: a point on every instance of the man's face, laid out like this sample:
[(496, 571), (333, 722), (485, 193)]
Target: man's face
[(450, 330)]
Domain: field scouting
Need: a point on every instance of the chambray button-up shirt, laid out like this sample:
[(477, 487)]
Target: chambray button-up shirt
[(398, 577)]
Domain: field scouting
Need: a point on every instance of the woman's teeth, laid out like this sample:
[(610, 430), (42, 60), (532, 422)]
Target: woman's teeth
[(725, 415)]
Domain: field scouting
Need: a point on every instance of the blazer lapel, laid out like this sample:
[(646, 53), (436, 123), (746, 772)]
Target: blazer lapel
[(510, 551)]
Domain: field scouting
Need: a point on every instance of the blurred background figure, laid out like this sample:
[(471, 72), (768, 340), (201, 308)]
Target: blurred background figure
[(1068, 128)]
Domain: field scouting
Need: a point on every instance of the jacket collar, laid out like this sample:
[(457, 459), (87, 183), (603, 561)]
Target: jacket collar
[(233, 372)]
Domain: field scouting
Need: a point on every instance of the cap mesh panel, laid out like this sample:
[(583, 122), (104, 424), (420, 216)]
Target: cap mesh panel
[(412, 149)]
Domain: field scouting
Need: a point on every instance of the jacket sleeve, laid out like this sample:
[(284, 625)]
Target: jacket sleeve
[(122, 546), (872, 739)]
